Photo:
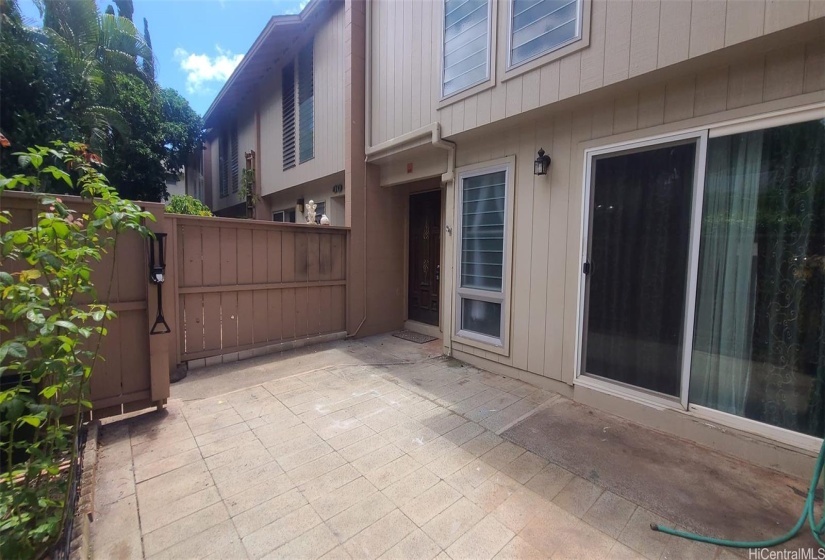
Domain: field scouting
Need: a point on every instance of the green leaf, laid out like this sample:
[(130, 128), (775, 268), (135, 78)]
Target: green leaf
[(13, 349), (30, 420), (49, 391), (6, 279), (60, 229)]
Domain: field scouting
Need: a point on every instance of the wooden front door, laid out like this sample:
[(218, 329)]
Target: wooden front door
[(425, 257)]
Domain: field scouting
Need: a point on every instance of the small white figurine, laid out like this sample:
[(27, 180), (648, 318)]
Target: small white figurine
[(309, 212), (324, 220)]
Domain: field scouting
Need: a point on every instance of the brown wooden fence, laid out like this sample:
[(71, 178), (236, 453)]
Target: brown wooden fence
[(234, 289), (245, 285), (134, 372)]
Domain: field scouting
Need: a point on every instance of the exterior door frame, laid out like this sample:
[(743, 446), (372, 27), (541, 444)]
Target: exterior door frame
[(700, 137)]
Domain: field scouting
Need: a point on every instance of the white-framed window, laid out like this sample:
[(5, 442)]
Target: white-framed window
[(484, 242), (287, 216), (540, 27), (465, 58)]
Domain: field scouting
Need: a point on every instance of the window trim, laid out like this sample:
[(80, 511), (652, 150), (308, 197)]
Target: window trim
[(284, 212), (577, 37), (488, 80), (499, 345)]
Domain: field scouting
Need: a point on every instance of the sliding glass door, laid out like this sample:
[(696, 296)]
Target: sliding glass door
[(726, 297), (638, 265)]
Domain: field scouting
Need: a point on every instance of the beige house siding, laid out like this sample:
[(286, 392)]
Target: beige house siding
[(626, 39), (329, 114), (548, 210)]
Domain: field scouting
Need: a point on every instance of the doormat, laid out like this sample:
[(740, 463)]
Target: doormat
[(418, 338)]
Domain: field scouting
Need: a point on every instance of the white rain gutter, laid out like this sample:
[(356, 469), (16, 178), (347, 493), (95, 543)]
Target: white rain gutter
[(432, 130)]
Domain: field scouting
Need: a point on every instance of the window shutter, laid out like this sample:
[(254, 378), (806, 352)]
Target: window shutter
[(306, 100), (288, 109), (223, 164), (234, 159)]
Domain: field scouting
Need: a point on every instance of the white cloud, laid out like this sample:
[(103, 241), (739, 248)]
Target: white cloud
[(294, 10), (202, 69)]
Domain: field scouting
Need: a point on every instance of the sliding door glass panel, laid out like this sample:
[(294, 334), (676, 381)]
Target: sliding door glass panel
[(759, 342), (639, 244)]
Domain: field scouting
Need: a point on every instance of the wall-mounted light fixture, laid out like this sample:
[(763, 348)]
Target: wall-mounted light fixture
[(542, 163)]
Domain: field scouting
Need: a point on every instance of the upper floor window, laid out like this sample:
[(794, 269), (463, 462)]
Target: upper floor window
[(466, 54), (541, 26), (228, 161), (288, 116), (306, 104)]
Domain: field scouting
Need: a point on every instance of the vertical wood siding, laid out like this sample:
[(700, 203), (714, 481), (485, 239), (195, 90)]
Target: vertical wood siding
[(329, 114), (548, 210), (245, 285), (627, 38)]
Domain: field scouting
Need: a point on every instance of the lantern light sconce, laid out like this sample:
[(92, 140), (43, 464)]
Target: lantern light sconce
[(542, 163)]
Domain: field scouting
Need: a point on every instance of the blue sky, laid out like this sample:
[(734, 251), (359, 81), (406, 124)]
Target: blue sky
[(198, 43)]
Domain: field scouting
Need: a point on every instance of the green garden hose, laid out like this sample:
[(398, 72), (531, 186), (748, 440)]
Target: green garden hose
[(817, 527)]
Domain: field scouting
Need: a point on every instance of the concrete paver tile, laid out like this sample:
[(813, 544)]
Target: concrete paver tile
[(362, 447), (258, 493), (260, 474), (493, 492), (481, 542), (430, 503), (337, 553), (344, 497), (471, 476), (610, 513), (227, 444), (361, 515), (516, 511), (318, 467), (311, 545), (164, 537), (417, 545), (261, 515), (174, 510), (320, 486), (622, 552), (450, 462), (294, 460), (218, 538), (548, 482), (377, 458), (519, 549), (411, 486), (222, 433), (158, 492), (453, 522), (463, 433), (392, 472), (570, 535), (350, 437), (158, 452), (432, 450), (482, 443), (116, 530), (379, 537), (638, 536), (280, 532), (524, 467), (502, 454), (578, 496)]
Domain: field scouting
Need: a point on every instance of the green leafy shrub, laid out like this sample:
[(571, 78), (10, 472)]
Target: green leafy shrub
[(50, 340), (186, 204)]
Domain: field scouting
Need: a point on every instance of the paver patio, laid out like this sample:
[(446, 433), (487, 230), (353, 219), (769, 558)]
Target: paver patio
[(370, 449)]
